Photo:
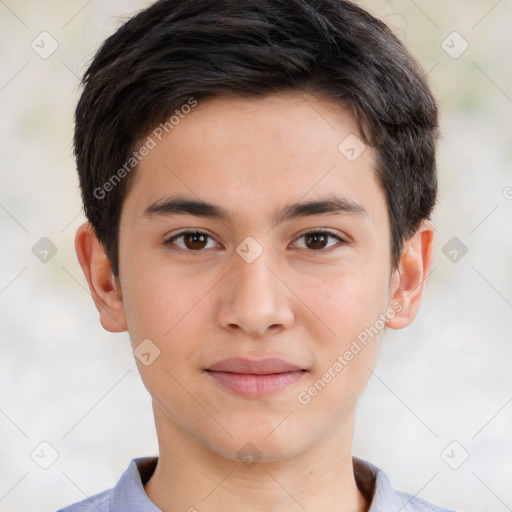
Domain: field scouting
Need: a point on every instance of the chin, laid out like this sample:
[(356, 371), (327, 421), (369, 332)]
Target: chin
[(253, 445)]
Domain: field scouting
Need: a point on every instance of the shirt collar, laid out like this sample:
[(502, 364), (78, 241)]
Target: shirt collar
[(129, 492)]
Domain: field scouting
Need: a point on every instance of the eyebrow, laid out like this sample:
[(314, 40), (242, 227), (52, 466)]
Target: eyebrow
[(181, 205)]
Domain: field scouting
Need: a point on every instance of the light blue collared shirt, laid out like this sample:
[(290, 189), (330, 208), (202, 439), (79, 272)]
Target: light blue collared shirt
[(129, 496)]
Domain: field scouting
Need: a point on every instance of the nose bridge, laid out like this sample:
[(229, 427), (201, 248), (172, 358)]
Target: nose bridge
[(256, 299), (255, 278)]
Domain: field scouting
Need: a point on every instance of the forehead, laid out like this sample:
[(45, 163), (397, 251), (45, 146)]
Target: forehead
[(250, 154)]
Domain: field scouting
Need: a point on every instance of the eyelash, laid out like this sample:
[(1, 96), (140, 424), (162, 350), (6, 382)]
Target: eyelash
[(177, 249)]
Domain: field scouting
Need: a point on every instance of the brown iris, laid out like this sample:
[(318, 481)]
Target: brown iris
[(316, 240), (195, 241)]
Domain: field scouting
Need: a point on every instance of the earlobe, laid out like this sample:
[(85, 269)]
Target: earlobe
[(105, 290), (409, 279)]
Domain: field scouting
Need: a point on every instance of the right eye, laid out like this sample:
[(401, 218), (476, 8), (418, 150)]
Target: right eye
[(191, 242)]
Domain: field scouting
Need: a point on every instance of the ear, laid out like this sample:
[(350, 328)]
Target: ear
[(408, 280), (105, 290)]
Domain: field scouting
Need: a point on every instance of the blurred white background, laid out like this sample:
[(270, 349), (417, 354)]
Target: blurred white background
[(443, 387)]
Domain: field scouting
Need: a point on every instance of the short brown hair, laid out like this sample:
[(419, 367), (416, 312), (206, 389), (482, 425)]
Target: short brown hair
[(176, 50)]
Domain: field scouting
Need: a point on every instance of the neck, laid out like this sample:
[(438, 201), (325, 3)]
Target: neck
[(190, 476)]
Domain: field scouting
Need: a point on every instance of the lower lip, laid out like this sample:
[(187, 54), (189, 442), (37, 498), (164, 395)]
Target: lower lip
[(255, 386)]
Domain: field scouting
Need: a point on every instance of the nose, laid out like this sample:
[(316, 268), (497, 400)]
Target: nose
[(255, 299)]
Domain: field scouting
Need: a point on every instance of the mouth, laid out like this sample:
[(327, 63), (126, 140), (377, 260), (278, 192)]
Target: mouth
[(255, 378)]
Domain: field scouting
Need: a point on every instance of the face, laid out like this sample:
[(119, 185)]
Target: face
[(253, 276)]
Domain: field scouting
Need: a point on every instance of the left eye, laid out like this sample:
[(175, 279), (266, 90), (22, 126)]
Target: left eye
[(197, 241), (317, 240)]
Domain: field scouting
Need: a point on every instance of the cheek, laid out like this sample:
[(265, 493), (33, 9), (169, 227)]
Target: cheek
[(159, 298), (168, 317), (345, 303), (170, 309), (349, 324)]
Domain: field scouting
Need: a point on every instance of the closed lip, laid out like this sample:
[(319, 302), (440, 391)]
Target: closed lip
[(266, 366)]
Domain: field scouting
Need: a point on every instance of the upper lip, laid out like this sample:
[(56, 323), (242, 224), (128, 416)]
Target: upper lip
[(264, 366)]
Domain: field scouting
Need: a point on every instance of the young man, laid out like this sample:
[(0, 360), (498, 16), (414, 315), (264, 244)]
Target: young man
[(258, 176)]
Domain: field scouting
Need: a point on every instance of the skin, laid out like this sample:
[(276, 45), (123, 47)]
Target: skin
[(295, 301)]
